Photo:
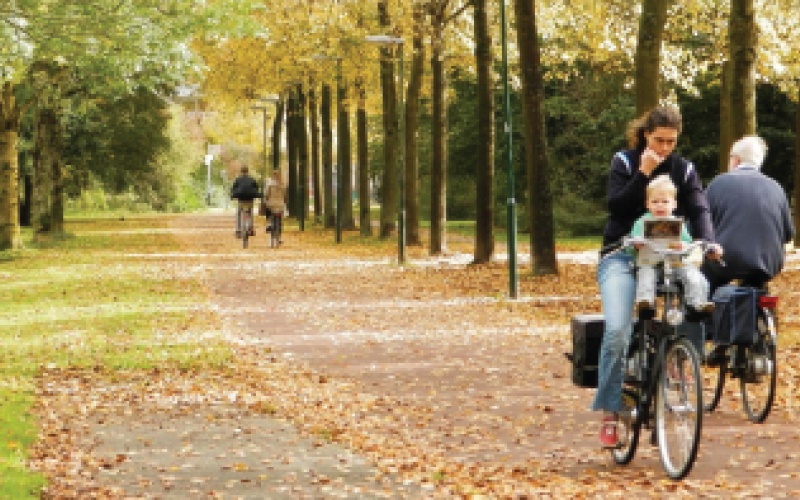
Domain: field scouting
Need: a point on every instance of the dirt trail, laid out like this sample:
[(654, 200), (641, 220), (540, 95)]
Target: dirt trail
[(359, 363)]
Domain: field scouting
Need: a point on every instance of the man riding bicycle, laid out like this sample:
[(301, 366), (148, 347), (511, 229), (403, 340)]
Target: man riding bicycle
[(245, 190)]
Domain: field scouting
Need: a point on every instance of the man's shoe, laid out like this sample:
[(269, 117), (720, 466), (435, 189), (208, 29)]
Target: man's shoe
[(717, 356), (238, 234), (608, 432)]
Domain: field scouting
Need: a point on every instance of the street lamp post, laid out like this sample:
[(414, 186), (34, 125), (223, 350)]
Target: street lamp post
[(512, 209), (339, 140), (401, 214)]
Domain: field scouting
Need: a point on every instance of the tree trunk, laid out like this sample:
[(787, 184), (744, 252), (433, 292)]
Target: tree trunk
[(796, 197), (742, 42), (540, 210), (484, 200), (327, 159), (276, 136), (725, 139), (43, 159), (315, 180), (439, 132), (291, 149), (389, 187), (302, 156), (648, 54), (346, 162), (9, 170), (412, 130), (362, 152)]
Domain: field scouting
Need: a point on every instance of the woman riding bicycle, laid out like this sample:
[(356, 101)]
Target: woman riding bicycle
[(275, 201), (652, 139)]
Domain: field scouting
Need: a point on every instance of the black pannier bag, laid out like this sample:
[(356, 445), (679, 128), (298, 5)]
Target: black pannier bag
[(587, 335), (734, 316)]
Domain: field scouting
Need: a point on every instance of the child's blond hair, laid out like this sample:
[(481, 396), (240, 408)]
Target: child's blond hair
[(662, 184)]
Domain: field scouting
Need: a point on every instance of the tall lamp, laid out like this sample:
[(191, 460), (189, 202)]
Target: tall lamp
[(401, 169)]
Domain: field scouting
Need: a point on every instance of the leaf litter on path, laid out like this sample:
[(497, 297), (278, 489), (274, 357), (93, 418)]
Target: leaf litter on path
[(425, 371)]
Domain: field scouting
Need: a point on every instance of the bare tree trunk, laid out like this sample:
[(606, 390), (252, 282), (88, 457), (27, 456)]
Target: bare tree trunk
[(302, 155), (291, 149), (346, 162), (648, 54), (362, 152), (742, 43), (389, 185), (9, 169), (725, 129), (438, 167), (796, 197), (412, 130), (276, 135), (484, 202), (315, 177), (44, 157), (327, 158), (543, 254)]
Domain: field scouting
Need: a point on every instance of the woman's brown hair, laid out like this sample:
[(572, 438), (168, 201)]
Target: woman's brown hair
[(661, 116)]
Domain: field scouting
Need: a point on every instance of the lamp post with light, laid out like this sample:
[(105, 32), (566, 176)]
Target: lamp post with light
[(401, 168)]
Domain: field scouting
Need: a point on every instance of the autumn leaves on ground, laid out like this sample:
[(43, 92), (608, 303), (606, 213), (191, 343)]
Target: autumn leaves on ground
[(161, 360)]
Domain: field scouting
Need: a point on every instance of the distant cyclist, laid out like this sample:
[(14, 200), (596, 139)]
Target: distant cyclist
[(275, 200), (245, 190)]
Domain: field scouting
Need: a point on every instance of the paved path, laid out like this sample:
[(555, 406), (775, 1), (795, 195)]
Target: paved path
[(379, 387)]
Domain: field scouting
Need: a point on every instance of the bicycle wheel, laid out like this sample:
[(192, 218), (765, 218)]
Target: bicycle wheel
[(275, 232), (713, 381), (629, 427), (758, 378), (679, 408), (247, 227)]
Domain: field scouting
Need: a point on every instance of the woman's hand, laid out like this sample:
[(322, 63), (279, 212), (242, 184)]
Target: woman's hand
[(714, 251), (649, 162)]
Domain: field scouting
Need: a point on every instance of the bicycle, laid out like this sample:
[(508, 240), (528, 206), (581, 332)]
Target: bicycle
[(246, 224), (275, 229), (754, 364), (662, 387)]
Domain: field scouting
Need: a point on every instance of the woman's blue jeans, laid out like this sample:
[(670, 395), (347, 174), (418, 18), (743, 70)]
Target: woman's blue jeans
[(617, 280)]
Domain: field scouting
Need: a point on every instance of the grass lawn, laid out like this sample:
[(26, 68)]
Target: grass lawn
[(83, 301)]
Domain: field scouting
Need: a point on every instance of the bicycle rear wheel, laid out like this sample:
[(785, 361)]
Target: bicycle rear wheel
[(247, 228), (713, 381), (679, 408), (629, 427), (760, 373)]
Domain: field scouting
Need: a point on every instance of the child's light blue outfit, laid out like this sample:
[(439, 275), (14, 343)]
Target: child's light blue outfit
[(695, 285)]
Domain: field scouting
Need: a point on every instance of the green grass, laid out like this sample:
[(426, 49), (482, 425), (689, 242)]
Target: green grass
[(87, 299)]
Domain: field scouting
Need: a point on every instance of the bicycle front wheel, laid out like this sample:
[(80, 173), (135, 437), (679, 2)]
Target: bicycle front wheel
[(760, 374), (679, 408)]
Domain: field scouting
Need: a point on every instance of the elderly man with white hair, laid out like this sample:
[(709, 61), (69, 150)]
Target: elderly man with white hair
[(751, 217)]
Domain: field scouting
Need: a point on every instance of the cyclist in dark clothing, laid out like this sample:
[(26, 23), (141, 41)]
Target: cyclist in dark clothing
[(245, 190), (751, 217)]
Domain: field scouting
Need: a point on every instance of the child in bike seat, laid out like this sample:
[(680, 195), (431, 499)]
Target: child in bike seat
[(661, 202)]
